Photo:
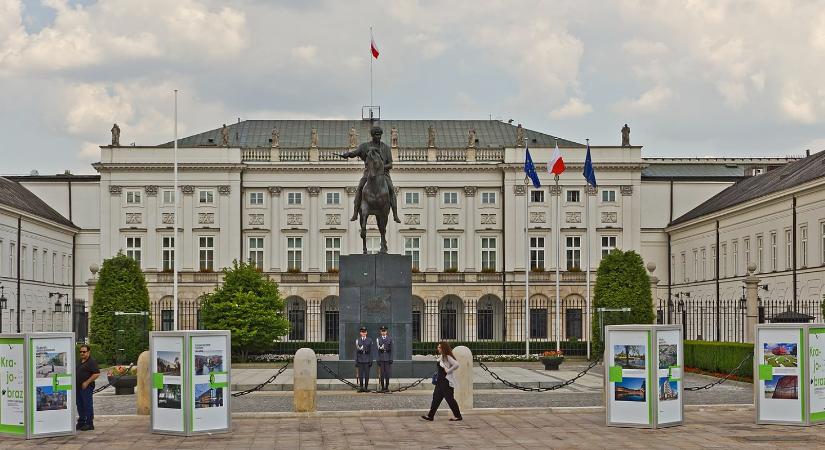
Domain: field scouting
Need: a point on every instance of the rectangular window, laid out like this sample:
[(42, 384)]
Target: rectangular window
[(573, 323), (12, 259), (412, 248), (451, 198), (488, 253), (735, 269), (450, 254), (488, 198), (538, 323), (294, 253), (760, 252), (297, 324), (608, 245), (788, 249), (34, 264), (333, 198), (684, 268), (167, 319), (573, 196), (256, 198), (412, 198), (133, 249), (132, 197), (54, 268), (1, 258), (206, 253), (206, 197), (167, 253), (294, 198), (536, 196), (333, 252), (608, 196), (773, 251), (256, 252), (23, 253), (747, 243), (45, 260), (723, 264), (822, 241), (536, 253), (695, 265), (713, 267), (673, 267), (803, 246), (704, 264), (64, 274), (573, 252), (168, 197)]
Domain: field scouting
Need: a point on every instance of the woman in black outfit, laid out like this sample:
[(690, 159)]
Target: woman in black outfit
[(445, 383)]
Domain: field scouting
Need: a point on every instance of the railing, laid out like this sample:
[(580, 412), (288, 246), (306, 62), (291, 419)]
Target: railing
[(448, 277), (449, 154), (418, 277), (163, 312), (293, 277), (412, 154), (255, 154), (329, 277), (489, 154), (294, 154), (326, 154), (489, 277), (205, 277)]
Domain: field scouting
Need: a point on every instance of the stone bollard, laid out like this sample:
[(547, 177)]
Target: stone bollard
[(144, 385), (464, 378), (304, 380)]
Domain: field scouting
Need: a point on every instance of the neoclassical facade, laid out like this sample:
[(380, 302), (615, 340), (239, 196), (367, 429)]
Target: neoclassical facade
[(276, 193)]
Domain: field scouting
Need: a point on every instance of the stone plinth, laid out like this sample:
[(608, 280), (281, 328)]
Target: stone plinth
[(375, 290), (464, 378), (144, 386), (305, 384)]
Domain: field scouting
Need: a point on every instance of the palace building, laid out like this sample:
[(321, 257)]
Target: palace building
[(275, 192)]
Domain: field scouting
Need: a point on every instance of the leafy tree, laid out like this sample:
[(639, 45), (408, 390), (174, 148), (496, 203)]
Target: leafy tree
[(121, 287), (250, 306), (621, 283)]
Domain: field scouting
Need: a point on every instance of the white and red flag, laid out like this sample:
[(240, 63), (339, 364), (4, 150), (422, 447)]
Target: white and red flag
[(373, 47), (556, 164)]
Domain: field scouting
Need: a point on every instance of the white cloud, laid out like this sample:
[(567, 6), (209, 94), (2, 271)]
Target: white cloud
[(307, 54), (644, 48), (651, 100), (428, 45), (797, 104), (575, 107)]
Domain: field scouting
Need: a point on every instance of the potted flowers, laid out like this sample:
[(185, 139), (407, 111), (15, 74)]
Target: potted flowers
[(552, 359), (123, 378)]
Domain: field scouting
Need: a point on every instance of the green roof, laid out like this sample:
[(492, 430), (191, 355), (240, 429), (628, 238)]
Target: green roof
[(335, 134)]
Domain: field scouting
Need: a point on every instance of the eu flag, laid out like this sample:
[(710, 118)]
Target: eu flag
[(588, 172), (530, 169)]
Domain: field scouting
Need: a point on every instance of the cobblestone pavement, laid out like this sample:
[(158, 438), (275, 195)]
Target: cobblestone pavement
[(706, 427), (106, 403)]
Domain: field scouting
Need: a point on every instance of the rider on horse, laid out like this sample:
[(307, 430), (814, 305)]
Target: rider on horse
[(362, 152)]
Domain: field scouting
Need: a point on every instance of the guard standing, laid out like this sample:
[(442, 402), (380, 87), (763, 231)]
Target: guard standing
[(384, 344), (363, 360)]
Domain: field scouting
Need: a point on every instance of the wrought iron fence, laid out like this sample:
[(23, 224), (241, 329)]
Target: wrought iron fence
[(163, 313), (725, 320)]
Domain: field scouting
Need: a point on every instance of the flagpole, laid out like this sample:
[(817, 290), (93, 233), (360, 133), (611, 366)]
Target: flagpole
[(175, 234), (558, 261), (587, 236), (371, 58), (527, 265)]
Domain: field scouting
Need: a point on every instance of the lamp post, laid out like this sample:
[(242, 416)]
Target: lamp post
[(60, 307), (3, 303)]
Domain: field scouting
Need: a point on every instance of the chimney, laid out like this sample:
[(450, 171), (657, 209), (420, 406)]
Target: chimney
[(807, 152)]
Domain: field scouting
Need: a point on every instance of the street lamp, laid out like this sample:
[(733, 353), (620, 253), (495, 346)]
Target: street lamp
[(3, 304)]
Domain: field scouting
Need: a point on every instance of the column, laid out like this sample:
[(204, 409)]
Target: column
[(629, 235), (185, 222), (275, 256), (516, 225), (313, 231), (471, 262), (351, 244), (752, 301), (227, 213), (150, 221), (432, 232), (654, 287)]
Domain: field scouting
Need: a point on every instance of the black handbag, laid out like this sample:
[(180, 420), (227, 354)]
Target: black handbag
[(435, 378)]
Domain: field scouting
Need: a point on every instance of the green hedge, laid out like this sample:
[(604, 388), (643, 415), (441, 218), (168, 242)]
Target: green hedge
[(721, 357), (428, 348)]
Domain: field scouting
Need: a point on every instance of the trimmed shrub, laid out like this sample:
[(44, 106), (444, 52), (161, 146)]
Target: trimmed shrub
[(121, 287), (621, 282), (249, 305), (719, 357)]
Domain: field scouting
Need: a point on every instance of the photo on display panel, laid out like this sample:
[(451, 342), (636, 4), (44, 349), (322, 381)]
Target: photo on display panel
[(170, 396), (50, 363), (667, 356), (208, 362), (630, 390), (629, 356), (208, 397), (668, 389), (782, 387), (49, 400), (169, 363), (780, 354)]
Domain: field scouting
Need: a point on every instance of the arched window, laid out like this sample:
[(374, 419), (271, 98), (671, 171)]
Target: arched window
[(451, 315), (489, 318), (296, 309), (329, 316), (417, 318), (573, 316)]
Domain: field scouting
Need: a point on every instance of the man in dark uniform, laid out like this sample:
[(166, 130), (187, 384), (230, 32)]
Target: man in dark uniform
[(384, 345), (86, 373), (363, 360), (386, 152)]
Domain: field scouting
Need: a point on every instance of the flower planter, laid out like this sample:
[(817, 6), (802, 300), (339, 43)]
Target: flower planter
[(552, 363), (124, 385)]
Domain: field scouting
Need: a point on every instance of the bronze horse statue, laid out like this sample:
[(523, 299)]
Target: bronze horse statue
[(375, 199)]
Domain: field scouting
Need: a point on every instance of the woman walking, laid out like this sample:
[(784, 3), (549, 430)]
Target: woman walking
[(445, 383)]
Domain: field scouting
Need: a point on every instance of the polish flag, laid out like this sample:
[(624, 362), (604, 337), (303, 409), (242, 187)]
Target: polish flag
[(373, 47), (556, 164)]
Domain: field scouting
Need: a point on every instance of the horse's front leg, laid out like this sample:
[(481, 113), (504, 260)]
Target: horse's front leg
[(363, 220), (382, 227)]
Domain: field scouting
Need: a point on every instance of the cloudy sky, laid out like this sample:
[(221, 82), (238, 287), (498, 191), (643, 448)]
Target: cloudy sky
[(692, 77)]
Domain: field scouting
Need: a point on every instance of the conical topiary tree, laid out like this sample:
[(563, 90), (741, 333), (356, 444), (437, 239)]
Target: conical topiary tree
[(120, 287), (621, 283)]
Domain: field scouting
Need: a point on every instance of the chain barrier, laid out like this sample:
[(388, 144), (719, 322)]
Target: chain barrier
[(261, 386), (538, 389), (356, 387), (114, 380), (720, 380)]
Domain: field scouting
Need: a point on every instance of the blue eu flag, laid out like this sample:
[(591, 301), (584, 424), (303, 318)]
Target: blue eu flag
[(588, 172), (530, 169)]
